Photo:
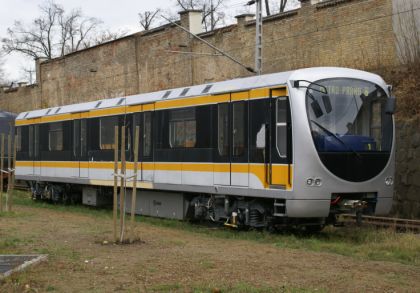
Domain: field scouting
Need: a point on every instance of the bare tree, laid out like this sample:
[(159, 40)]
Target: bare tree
[(213, 12), (2, 78), (407, 33), (278, 6), (75, 29), (54, 33), (103, 37), (147, 18), (38, 39)]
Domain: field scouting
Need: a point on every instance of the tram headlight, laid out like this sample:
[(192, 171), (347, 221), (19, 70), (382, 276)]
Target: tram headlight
[(389, 181), (310, 181), (318, 182)]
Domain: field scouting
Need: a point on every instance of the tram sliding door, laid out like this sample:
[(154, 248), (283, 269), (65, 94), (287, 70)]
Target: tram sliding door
[(280, 155), (144, 120), (231, 153)]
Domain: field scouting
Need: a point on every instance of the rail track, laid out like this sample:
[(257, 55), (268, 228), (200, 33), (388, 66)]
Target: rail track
[(385, 222)]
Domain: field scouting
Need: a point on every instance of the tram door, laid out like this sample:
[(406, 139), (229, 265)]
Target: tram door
[(80, 158), (280, 156), (231, 153), (146, 161)]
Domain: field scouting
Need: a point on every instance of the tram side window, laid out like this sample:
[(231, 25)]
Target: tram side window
[(223, 129), (182, 128), (147, 134), (19, 139), (31, 141), (83, 137), (239, 128), (106, 132), (281, 126), (55, 136)]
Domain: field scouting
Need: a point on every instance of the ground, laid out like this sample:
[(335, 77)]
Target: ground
[(181, 257)]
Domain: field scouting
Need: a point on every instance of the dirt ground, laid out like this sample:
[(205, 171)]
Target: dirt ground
[(174, 260)]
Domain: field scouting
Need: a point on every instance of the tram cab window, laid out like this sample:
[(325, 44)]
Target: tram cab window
[(281, 126), (182, 128), (106, 129), (55, 137)]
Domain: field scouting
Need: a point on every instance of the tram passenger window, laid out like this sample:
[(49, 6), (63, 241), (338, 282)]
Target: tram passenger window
[(223, 129), (76, 140), (147, 134), (106, 129), (55, 137), (238, 129), (281, 127), (36, 141), (182, 128), (19, 139), (31, 142), (83, 138)]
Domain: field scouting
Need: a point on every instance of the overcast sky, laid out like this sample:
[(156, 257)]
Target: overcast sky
[(115, 14)]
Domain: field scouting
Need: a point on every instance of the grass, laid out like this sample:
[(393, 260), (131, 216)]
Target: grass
[(236, 288), (361, 243)]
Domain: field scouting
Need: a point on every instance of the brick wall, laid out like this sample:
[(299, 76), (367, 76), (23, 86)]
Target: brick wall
[(351, 33)]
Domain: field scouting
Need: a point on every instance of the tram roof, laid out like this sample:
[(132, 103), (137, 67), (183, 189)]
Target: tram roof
[(233, 85)]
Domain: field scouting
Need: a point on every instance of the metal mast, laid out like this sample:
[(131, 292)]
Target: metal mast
[(258, 38)]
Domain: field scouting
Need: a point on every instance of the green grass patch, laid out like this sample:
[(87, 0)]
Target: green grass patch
[(362, 243), (248, 288)]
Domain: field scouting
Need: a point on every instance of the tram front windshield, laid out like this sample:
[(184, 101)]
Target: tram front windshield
[(350, 128)]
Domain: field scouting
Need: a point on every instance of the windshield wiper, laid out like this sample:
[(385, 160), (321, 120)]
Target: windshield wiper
[(337, 138)]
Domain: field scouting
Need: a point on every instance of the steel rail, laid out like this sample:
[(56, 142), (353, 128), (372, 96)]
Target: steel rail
[(386, 222)]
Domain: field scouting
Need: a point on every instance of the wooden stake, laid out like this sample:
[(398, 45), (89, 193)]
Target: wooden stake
[(123, 183), (2, 169), (9, 165), (115, 182), (134, 193), (12, 186)]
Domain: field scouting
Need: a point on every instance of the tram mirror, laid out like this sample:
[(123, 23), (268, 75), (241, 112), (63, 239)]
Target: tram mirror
[(390, 105), (316, 108), (327, 103), (261, 138)]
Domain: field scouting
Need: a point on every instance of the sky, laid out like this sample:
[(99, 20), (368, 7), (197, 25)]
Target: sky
[(117, 15)]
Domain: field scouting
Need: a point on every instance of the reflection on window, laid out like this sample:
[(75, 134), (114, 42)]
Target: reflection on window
[(147, 134), (106, 129), (31, 141), (223, 129), (281, 127), (182, 128), (83, 138), (76, 137), (376, 124), (19, 139), (238, 129), (55, 137)]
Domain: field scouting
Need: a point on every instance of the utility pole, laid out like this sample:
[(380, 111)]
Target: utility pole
[(258, 38), (212, 14)]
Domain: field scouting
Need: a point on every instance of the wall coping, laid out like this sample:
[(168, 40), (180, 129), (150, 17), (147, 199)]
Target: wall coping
[(329, 3)]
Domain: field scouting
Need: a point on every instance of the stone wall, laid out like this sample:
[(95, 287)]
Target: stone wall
[(407, 177)]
